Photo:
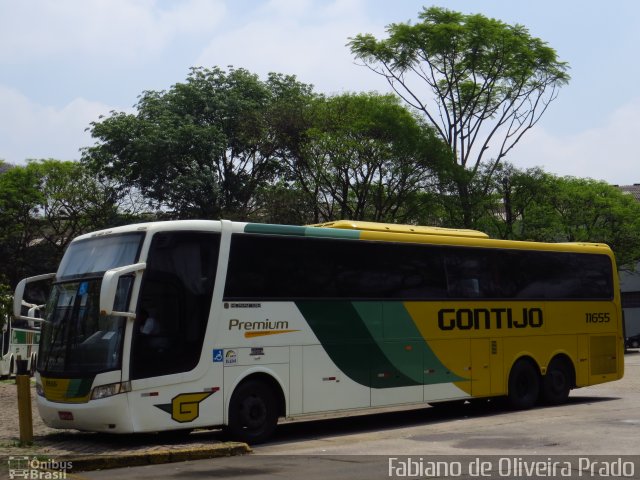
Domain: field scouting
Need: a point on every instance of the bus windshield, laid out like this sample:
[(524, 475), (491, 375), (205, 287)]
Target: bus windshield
[(75, 337), (97, 255)]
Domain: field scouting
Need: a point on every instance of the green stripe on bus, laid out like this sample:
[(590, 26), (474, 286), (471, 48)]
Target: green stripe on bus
[(401, 342), (270, 229), (349, 344), (375, 344), (332, 233)]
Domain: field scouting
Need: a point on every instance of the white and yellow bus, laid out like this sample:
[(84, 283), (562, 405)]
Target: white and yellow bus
[(254, 322)]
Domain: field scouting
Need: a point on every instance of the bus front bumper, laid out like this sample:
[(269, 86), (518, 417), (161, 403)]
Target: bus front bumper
[(109, 414)]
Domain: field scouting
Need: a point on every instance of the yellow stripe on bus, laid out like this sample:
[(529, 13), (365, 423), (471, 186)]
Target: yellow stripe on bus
[(267, 332)]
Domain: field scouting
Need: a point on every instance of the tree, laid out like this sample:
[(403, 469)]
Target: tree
[(538, 206), (4, 166), (365, 157), (43, 206), (480, 82), (73, 202), (593, 211), (286, 202), (205, 147), (20, 200), (6, 302), (513, 195)]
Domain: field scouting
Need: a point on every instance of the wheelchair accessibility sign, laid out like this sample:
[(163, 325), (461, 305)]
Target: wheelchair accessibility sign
[(217, 355)]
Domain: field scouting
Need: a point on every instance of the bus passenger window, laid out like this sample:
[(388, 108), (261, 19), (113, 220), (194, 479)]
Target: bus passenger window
[(176, 293)]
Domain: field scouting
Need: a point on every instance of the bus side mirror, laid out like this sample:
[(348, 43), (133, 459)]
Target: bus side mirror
[(109, 288), (19, 295)]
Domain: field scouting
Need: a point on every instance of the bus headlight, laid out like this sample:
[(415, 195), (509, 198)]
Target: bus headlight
[(104, 391)]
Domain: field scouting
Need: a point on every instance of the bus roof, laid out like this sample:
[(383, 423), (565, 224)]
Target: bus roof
[(360, 230), (394, 228)]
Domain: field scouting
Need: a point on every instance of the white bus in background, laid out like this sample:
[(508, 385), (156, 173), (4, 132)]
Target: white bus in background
[(19, 341)]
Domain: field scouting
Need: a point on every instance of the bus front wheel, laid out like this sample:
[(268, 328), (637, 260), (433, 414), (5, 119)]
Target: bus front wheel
[(557, 383), (253, 413), (524, 385)]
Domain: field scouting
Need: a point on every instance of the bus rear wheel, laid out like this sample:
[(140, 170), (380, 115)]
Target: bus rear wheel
[(524, 385), (557, 383), (253, 413)]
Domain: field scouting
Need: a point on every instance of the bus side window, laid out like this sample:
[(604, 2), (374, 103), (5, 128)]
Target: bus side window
[(177, 288), (464, 274)]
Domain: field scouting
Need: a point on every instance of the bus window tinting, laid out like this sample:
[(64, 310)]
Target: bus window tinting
[(176, 292), (272, 267)]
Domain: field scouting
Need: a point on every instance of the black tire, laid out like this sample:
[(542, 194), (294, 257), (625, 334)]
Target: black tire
[(524, 385), (253, 412), (557, 383)]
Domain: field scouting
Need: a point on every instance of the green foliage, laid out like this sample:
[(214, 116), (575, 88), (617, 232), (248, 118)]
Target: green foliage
[(4, 166), (73, 201), (513, 195), (366, 157), (20, 205), (534, 205), (285, 202), (592, 211), (226, 144), (205, 147), (43, 206), (6, 301), (480, 82)]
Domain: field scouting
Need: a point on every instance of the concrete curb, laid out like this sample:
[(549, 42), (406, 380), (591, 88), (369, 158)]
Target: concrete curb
[(105, 462)]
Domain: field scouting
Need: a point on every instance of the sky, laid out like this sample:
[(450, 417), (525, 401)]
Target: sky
[(64, 63)]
